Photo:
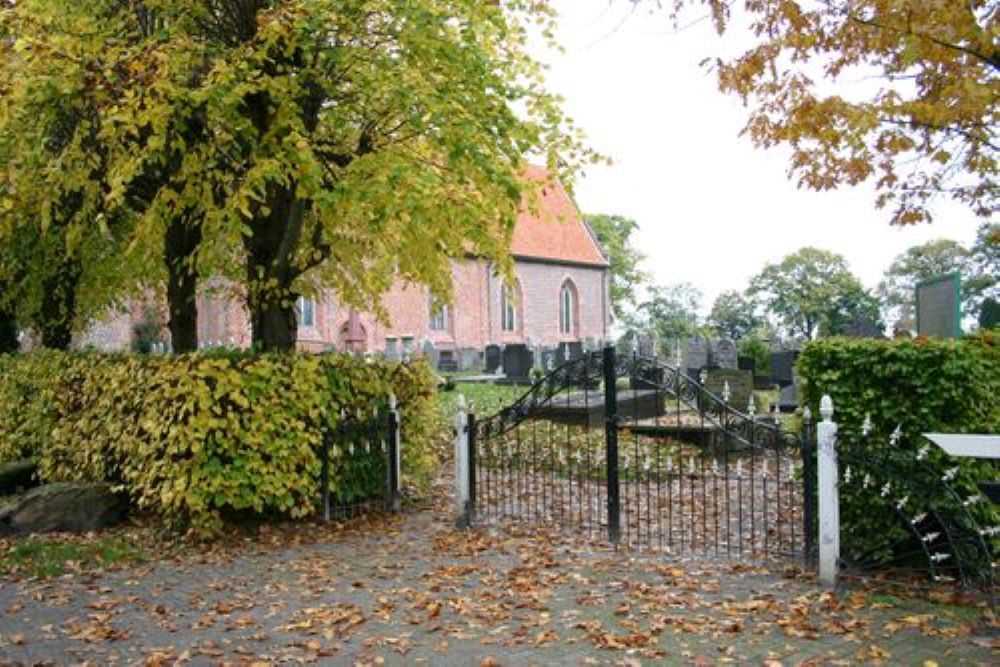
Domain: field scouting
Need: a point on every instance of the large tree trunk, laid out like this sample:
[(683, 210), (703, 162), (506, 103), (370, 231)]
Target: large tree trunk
[(58, 309), (181, 241), (270, 272), (8, 332)]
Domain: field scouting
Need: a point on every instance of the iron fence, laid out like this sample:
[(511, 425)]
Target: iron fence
[(360, 464)]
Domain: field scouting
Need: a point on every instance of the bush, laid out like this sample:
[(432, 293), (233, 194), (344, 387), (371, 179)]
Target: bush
[(919, 385), (196, 436)]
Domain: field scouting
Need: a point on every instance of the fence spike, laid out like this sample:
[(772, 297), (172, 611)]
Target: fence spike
[(886, 489), (751, 406), (807, 414), (392, 400), (972, 500), (930, 537), (896, 434), (902, 502), (866, 427), (725, 392), (938, 557), (918, 519), (922, 453), (847, 475), (993, 531), (950, 474)]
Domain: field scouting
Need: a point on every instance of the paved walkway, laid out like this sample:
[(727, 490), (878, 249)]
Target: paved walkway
[(417, 591)]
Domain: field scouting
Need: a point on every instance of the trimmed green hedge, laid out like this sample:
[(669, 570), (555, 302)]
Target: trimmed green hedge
[(920, 385), (193, 437)]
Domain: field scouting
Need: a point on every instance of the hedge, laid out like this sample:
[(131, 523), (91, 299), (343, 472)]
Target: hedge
[(919, 385), (196, 437)]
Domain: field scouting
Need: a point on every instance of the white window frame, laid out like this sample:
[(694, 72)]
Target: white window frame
[(304, 307), (437, 315), (567, 308), (508, 309)]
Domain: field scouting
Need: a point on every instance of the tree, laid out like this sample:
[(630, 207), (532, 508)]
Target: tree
[(62, 251), (614, 232), (671, 312), (901, 93), (733, 315), (346, 144), (984, 263), (917, 264), (853, 307), (806, 289)]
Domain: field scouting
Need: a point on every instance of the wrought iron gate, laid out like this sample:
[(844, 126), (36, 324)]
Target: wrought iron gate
[(634, 449)]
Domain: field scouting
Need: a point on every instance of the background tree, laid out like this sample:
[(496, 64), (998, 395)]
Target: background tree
[(733, 315), (855, 306), (984, 261), (614, 232), (917, 264), (926, 128), (806, 289), (670, 312)]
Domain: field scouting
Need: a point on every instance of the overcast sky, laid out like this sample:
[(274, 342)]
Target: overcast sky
[(712, 209)]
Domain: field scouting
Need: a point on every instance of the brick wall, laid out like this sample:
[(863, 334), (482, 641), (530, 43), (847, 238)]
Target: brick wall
[(473, 317)]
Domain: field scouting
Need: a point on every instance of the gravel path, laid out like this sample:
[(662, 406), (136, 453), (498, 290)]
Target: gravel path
[(415, 590)]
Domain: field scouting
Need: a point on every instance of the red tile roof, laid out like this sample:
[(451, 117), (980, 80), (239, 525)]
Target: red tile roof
[(553, 228)]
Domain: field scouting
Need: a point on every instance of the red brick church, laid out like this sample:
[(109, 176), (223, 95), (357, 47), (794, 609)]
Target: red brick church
[(560, 295)]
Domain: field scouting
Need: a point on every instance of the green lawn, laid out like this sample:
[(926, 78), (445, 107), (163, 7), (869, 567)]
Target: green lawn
[(53, 557)]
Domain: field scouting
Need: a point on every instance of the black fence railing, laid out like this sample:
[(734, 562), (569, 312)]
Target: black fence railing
[(360, 464)]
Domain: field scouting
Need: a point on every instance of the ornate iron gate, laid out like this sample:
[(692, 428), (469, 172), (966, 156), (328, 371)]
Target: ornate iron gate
[(632, 448)]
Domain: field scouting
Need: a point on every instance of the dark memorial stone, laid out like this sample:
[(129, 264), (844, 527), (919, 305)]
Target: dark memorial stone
[(740, 385), (695, 354), (493, 358), (746, 364), (863, 326), (447, 361), (782, 365), (939, 307), (517, 362), (548, 359), (788, 401)]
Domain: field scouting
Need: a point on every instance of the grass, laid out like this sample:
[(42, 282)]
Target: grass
[(485, 399), (45, 558)]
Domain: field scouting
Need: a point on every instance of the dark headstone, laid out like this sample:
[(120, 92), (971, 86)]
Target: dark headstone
[(517, 362), (724, 353), (788, 401), (939, 307), (574, 350), (782, 366), (447, 361), (391, 349), (740, 385), (746, 364), (493, 358), (70, 507), (862, 326), (431, 353), (17, 475)]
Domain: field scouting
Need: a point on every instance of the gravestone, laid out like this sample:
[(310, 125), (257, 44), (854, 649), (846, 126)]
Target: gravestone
[(391, 349), (493, 358), (788, 401), (862, 326), (939, 307), (695, 355), (574, 350), (724, 353), (517, 363), (430, 353), (645, 345), (548, 359), (746, 364), (469, 359), (782, 367), (740, 385), (447, 361)]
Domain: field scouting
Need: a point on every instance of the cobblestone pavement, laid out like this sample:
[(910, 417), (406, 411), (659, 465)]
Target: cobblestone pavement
[(415, 590)]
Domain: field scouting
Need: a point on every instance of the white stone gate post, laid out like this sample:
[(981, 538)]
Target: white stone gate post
[(829, 501), (462, 461)]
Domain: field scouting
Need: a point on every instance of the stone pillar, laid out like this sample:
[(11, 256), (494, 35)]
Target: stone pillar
[(829, 502)]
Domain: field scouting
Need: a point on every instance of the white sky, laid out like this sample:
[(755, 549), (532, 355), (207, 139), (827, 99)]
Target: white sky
[(712, 208)]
